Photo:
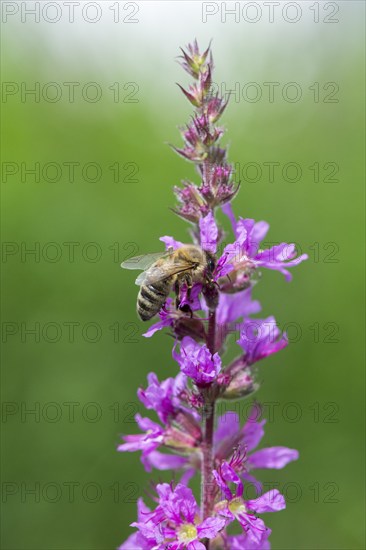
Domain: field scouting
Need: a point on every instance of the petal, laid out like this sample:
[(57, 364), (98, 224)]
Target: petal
[(210, 527), (272, 457), (146, 423), (194, 545), (222, 485), (157, 326), (131, 445), (194, 299), (255, 539), (228, 211), (185, 502), (130, 543), (260, 338), (253, 431), (227, 426), (208, 233), (272, 501), (229, 475), (244, 228), (180, 383), (187, 476), (241, 542), (162, 461), (142, 510), (258, 233), (233, 306), (170, 242), (251, 479), (280, 257)]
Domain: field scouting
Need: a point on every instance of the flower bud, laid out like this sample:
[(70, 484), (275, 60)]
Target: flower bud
[(194, 95), (193, 206), (194, 62), (214, 108), (179, 440), (187, 423), (190, 327), (211, 295), (237, 280), (241, 385)]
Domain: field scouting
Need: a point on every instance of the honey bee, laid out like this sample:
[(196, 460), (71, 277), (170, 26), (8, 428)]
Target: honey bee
[(187, 265)]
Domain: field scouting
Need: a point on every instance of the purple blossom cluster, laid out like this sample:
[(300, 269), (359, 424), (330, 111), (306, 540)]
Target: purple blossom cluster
[(186, 438)]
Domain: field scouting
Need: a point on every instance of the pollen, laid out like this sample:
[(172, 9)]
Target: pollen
[(187, 533), (237, 506)]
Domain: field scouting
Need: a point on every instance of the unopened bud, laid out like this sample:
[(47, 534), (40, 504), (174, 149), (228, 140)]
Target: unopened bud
[(241, 385)]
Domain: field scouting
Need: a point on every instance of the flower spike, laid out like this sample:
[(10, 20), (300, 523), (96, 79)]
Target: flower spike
[(213, 285)]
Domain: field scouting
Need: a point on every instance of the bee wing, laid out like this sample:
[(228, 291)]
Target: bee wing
[(142, 262), (163, 271)]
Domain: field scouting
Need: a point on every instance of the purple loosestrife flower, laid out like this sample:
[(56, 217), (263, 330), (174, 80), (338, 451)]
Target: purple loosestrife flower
[(176, 523), (181, 431), (197, 362), (147, 442), (162, 397), (244, 255), (234, 507), (137, 541), (229, 436), (177, 438), (260, 338)]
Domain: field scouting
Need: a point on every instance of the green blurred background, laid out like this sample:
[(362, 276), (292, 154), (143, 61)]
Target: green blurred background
[(81, 368)]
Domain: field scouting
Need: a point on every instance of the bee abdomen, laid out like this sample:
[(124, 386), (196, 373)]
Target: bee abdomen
[(151, 298)]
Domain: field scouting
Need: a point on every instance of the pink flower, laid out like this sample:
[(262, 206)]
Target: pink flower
[(260, 338), (234, 507), (196, 361), (229, 435), (176, 523), (245, 254)]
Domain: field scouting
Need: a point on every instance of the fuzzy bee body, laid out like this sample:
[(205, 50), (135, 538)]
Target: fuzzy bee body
[(152, 297), (187, 265)]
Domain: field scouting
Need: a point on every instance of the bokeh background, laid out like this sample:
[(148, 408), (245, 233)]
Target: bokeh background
[(64, 485)]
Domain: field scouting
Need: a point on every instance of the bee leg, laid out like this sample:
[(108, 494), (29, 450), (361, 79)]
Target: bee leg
[(186, 307), (187, 280), (177, 292), (189, 287)]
